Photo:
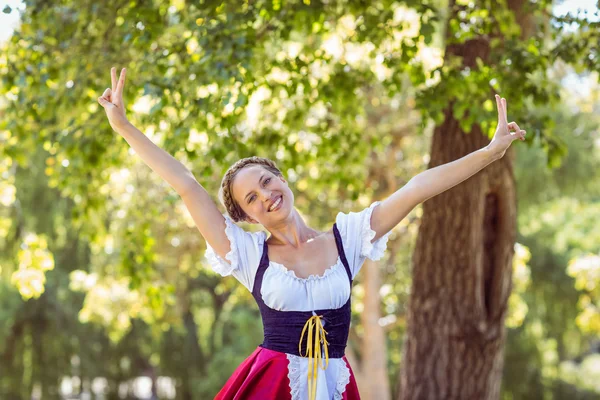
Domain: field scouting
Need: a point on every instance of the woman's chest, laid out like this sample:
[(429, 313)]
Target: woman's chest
[(282, 290), (313, 258)]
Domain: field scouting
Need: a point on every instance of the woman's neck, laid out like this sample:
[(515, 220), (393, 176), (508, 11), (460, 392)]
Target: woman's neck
[(291, 232)]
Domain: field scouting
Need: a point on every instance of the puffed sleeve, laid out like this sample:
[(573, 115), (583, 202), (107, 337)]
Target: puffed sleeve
[(244, 256), (355, 230)]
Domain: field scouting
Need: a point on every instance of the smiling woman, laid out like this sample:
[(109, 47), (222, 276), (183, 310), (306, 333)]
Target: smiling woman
[(301, 278), (267, 171)]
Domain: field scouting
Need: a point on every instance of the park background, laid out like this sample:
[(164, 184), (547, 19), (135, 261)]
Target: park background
[(104, 289)]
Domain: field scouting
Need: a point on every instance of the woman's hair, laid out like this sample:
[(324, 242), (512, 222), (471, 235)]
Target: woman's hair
[(225, 194)]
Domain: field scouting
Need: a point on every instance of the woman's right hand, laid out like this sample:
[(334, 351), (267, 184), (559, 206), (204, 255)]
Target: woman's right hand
[(112, 101)]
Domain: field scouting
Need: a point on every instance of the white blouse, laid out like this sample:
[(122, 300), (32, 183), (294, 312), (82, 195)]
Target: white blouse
[(282, 290)]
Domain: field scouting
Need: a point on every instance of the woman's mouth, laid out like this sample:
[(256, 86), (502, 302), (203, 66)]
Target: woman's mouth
[(276, 205)]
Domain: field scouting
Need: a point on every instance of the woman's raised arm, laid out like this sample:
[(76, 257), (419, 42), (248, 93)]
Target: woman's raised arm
[(201, 206)]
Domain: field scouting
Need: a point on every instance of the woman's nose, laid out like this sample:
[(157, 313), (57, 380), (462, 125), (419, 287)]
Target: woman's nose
[(266, 195)]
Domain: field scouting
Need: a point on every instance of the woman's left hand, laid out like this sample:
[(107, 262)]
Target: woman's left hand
[(506, 132)]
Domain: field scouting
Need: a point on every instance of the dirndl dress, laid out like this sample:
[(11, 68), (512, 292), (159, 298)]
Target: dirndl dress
[(306, 321)]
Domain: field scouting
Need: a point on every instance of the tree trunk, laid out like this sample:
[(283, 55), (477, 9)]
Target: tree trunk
[(461, 280), (462, 269), (376, 385), (372, 373)]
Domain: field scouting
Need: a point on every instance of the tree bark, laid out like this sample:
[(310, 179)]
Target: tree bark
[(462, 269)]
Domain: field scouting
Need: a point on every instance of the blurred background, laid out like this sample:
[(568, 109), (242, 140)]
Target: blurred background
[(104, 289)]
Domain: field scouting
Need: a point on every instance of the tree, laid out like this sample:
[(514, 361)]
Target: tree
[(463, 259)]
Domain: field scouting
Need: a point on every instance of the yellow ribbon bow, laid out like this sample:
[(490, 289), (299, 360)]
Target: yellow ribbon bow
[(313, 363)]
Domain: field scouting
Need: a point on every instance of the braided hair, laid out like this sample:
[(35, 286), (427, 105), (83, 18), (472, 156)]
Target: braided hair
[(225, 193)]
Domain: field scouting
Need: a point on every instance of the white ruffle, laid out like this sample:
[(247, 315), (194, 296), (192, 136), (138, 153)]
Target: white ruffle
[(373, 251), (282, 290), (342, 381), (312, 277), (218, 264), (294, 375)]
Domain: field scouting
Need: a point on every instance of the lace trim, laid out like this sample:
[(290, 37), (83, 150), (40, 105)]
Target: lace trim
[(294, 373), (217, 263), (374, 251), (292, 274), (342, 381), (295, 377)]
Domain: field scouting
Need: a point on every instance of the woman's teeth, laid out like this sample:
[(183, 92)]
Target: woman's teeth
[(275, 205)]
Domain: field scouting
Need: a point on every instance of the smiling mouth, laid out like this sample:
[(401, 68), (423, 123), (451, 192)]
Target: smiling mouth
[(276, 205)]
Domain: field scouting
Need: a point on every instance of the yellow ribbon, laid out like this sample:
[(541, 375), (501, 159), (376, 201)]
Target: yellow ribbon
[(313, 363)]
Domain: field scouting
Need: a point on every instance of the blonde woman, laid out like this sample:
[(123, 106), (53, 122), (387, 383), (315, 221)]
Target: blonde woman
[(300, 277)]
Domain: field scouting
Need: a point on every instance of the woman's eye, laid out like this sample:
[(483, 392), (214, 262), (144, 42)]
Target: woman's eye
[(251, 199)]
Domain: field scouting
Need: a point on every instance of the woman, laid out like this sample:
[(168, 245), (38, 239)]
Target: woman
[(301, 278)]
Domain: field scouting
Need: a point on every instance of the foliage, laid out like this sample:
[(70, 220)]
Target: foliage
[(557, 211), (317, 86)]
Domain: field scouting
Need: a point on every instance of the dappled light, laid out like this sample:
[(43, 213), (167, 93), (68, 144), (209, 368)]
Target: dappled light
[(113, 283)]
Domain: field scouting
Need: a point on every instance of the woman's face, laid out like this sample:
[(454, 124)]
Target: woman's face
[(256, 189)]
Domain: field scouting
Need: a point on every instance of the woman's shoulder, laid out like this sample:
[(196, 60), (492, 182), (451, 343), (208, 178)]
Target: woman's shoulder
[(355, 219)]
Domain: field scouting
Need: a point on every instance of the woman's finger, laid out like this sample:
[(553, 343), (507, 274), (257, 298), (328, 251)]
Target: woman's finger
[(121, 82), (513, 126), (107, 93), (105, 103), (113, 78), (499, 107), (504, 110)]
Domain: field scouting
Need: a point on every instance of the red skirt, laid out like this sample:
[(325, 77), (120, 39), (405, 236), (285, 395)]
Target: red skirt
[(264, 376)]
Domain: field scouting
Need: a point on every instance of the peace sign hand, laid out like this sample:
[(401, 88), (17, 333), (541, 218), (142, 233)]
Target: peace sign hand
[(112, 100), (503, 136)]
